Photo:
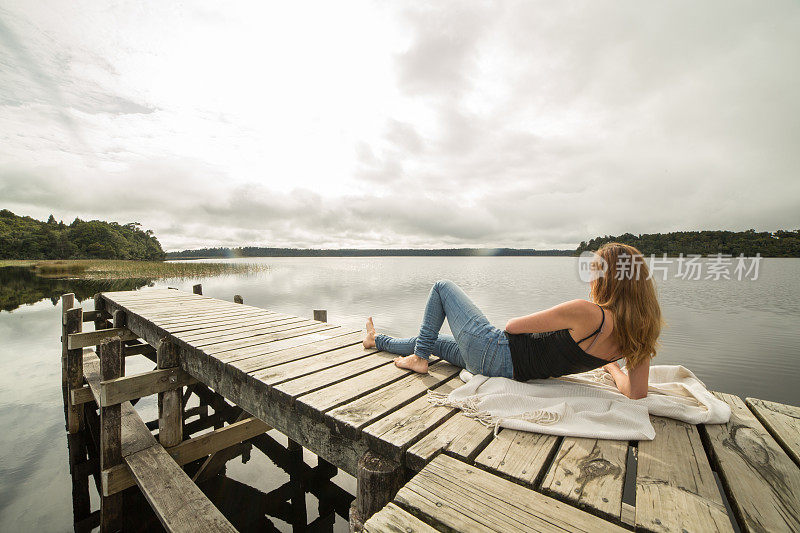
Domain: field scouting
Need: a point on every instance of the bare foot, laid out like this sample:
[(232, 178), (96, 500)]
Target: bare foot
[(412, 362), (369, 340)]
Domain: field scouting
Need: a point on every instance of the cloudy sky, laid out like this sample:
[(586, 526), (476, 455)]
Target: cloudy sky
[(387, 124)]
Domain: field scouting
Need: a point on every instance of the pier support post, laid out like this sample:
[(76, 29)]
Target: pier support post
[(323, 465), (170, 404), (237, 299), (67, 303), (99, 321), (378, 481), (74, 324), (111, 356), (120, 321), (198, 289)]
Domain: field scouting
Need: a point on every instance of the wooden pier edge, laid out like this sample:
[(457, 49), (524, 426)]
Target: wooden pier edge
[(382, 435)]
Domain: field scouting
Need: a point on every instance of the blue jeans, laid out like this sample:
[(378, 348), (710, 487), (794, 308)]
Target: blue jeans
[(475, 344)]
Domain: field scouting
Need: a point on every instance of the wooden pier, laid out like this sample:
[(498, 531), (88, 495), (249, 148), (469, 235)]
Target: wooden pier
[(419, 467)]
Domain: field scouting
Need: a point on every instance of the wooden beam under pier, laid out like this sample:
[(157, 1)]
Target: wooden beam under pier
[(93, 338)]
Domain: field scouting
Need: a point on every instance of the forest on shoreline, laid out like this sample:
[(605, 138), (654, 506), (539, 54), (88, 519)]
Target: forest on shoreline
[(25, 238), (782, 243)]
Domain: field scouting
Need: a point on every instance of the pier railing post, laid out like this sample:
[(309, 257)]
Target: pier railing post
[(237, 299), (111, 355), (378, 480), (198, 289), (67, 303), (170, 404), (74, 324)]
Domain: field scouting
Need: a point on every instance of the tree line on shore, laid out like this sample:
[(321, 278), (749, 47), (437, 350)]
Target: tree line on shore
[(782, 243), (23, 237), (252, 251)]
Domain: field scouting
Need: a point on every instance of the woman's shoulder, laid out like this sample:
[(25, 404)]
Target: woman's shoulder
[(579, 305)]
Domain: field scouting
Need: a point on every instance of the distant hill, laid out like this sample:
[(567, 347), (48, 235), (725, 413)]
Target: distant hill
[(250, 251), (27, 238), (782, 243)]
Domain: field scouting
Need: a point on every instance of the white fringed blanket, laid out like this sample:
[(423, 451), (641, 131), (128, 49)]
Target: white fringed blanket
[(586, 404)]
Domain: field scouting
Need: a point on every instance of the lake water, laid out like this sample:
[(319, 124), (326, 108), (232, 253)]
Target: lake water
[(741, 337)]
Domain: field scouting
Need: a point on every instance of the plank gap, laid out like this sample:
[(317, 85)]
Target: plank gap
[(631, 465), (724, 489), (725, 502)]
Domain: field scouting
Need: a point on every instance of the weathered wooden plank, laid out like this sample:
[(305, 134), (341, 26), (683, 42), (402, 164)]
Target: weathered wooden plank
[(139, 349), (203, 339), (309, 365), (151, 300), (139, 385), (761, 480), (120, 478), (82, 395), (392, 519), (93, 338), (173, 304), (392, 434), (518, 455), (170, 407), (211, 327), (67, 303), (782, 421), (335, 374), (175, 499), (212, 317), (191, 312), (212, 348), (351, 417), (341, 392), (73, 323), (675, 487), (231, 324), (161, 309), (460, 497), (281, 348), (110, 354), (590, 473), (301, 352), (197, 311), (459, 436), (135, 435), (91, 316)]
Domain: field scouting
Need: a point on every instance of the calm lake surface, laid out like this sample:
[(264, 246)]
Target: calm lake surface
[(741, 337)]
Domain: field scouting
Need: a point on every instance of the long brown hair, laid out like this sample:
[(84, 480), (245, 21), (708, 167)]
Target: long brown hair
[(626, 288)]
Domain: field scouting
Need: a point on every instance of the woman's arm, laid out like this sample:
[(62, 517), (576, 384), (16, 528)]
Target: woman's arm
[(562, 316), (634, 383)]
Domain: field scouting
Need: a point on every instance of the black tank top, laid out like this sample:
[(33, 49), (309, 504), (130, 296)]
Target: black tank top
[(551, 354)]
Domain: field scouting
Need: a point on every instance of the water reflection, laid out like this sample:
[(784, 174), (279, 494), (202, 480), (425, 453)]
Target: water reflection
[(22, 286)]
